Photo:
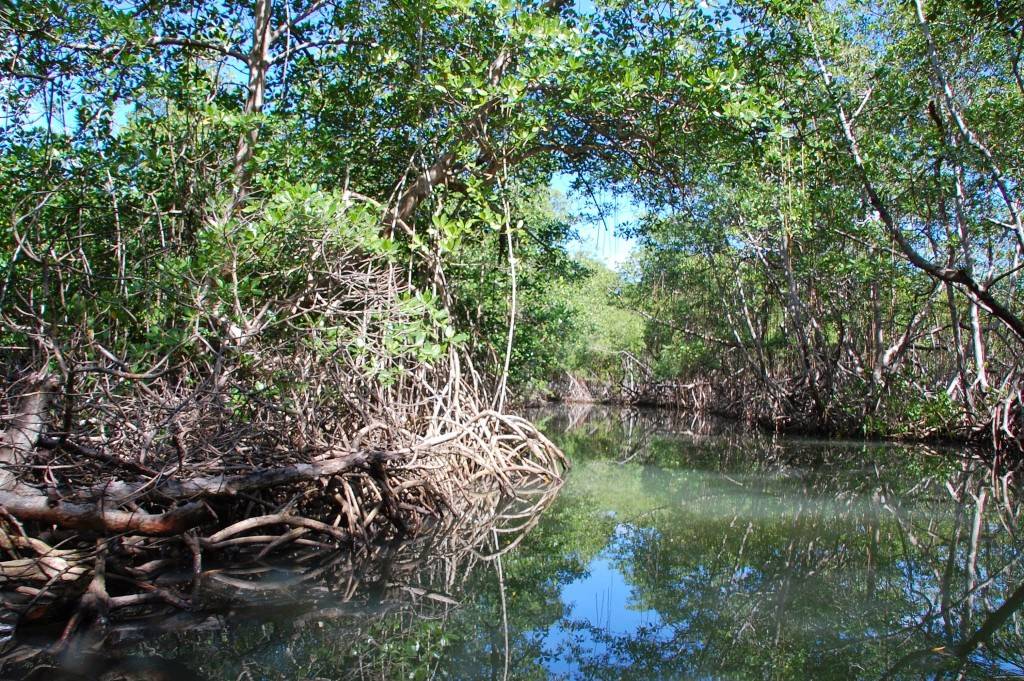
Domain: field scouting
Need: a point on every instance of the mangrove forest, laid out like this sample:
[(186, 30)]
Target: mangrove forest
[(311, 367)]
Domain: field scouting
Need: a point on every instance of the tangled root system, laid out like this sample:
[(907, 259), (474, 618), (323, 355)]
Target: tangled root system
[(339, 416)]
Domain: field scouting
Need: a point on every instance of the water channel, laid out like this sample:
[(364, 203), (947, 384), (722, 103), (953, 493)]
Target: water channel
[(677, 548)]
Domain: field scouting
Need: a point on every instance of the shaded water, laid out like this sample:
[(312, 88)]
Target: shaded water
[(677, 549)]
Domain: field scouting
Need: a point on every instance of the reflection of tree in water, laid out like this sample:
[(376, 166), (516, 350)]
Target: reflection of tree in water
[(820, 562), (629, 433), (307, 614)]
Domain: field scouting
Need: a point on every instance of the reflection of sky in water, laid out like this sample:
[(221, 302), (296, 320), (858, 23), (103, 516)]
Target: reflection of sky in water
[(601, 603), (812, 590)]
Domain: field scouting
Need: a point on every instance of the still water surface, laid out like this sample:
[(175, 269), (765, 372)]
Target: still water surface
[(677, 549)]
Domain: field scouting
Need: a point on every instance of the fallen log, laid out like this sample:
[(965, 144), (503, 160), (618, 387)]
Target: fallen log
[(41, 508), (27, 503), (116, 492), (96, 507)]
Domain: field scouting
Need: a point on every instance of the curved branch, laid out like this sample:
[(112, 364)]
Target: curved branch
[(159, 41)]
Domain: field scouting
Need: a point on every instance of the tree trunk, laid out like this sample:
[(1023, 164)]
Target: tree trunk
[(259, 63), (19, 440)]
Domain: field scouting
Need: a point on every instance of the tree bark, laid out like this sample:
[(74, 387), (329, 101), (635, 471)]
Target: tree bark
[(259, 63), (117, 492), (19, 440), (40, 508)]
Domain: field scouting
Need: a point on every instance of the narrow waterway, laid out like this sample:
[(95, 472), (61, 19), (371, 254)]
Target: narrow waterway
[(676, 549)]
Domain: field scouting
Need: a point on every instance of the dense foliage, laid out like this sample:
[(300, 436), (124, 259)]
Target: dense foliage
[(833, 209), (833, 231), (859, 265)]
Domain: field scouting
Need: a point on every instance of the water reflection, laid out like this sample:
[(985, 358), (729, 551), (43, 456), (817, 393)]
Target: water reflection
[(796, 559), (309, 611), (679, 548)]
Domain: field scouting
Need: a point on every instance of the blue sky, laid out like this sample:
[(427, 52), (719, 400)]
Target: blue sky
[(597, 231)]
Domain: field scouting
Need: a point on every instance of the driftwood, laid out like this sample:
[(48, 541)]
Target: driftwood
[(419, 575), (119, 491), (99, 509), (337, 461), (27, 503)]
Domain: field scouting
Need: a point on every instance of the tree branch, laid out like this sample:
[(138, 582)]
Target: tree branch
[(957, 276), (302, 16), (40, 508)]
